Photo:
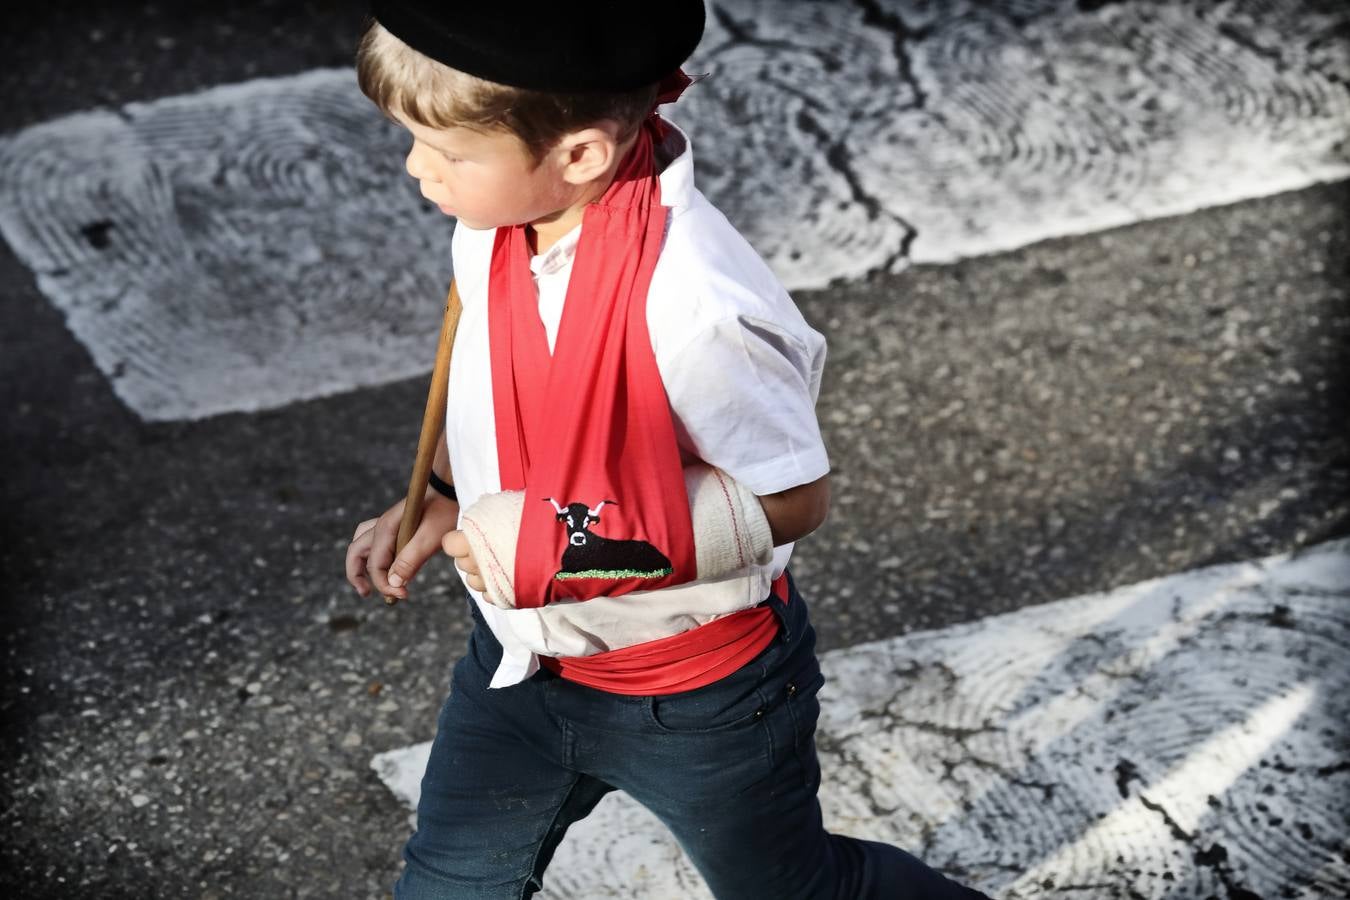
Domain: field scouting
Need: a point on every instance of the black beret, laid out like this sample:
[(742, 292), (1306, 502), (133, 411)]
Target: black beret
[(564, 46)]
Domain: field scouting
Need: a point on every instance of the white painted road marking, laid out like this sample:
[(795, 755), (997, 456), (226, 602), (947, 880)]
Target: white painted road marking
[(1179, 738), (232, 250), (252, 245)]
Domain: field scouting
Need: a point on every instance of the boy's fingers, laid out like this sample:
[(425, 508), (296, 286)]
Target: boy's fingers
[(473, 576), (455, 544), (357, 551), (365, 526), (420, 547), (383, 537)]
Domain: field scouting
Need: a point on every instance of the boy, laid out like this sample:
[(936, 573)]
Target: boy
[(617, 335)]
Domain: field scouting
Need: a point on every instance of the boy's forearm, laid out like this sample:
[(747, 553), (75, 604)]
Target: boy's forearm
[(798, 511)]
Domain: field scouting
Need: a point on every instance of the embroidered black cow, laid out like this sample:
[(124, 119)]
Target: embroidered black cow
[(589, 555)]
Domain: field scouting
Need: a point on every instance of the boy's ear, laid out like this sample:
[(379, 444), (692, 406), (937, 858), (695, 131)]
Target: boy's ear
[(588, 154)]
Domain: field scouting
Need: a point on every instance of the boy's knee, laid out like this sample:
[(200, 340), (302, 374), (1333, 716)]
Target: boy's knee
[(420, 881)]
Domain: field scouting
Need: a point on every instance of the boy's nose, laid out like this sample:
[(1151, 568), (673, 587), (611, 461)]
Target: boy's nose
[(415, 167), (412, 166)]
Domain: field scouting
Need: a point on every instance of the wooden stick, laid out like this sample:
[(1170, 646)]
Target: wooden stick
[(433, 426)]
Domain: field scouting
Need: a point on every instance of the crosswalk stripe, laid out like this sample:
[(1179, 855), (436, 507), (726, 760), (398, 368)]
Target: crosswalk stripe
[(1165, 736), (255, 244)]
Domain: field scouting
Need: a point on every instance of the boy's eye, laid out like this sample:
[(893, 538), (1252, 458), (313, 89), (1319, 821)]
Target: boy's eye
[(448, 158)]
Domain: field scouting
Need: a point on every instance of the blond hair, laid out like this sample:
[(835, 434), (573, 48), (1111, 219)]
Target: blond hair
[(397, 78)]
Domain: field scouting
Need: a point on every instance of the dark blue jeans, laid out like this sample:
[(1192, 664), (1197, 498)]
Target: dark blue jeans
[(729, 768)]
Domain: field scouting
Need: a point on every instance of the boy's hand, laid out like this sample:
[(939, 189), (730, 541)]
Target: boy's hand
[(457, 545), (370, 556)]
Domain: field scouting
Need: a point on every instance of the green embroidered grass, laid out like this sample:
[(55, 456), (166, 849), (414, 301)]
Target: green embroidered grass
[(613, 574)]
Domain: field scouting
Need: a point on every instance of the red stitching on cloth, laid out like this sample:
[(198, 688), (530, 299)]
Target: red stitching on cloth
[(726, 495), (496, 566)]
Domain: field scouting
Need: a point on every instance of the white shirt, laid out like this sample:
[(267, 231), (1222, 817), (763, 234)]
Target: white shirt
[(741, 370)]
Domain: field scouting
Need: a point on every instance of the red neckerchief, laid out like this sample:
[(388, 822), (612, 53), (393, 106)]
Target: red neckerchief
[(587, 432)]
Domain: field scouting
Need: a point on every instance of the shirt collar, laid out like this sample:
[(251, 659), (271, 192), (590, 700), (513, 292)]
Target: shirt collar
[(677, 189), (677, 180), (558, 256)]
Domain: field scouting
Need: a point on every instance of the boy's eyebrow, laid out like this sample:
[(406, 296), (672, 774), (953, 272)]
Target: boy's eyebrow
[(439, 144), (406, 127)]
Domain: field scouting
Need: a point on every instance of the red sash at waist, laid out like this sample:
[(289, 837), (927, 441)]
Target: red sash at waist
[(681, 662)]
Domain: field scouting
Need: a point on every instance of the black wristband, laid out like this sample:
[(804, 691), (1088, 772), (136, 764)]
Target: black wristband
[(442, 487)]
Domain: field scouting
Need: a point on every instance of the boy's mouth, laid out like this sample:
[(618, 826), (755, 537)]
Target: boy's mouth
[(441, 206)]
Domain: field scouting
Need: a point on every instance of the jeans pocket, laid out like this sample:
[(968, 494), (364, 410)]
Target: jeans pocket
[(735, 702), (803, 706)]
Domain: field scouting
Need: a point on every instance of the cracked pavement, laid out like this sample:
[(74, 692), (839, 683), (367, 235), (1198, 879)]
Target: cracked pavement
[(1177, 738), (192, 695)]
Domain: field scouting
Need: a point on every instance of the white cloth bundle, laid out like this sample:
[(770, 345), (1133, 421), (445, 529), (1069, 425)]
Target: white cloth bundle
[(730, 531)]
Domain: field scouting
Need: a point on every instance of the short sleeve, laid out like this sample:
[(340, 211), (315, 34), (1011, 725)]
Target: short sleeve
[(742, 392)]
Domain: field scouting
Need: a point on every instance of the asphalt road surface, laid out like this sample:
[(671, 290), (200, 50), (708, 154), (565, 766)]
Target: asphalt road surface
[(191, 693)]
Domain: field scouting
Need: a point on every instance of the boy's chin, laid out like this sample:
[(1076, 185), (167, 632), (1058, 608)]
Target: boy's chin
[(471, 224)]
